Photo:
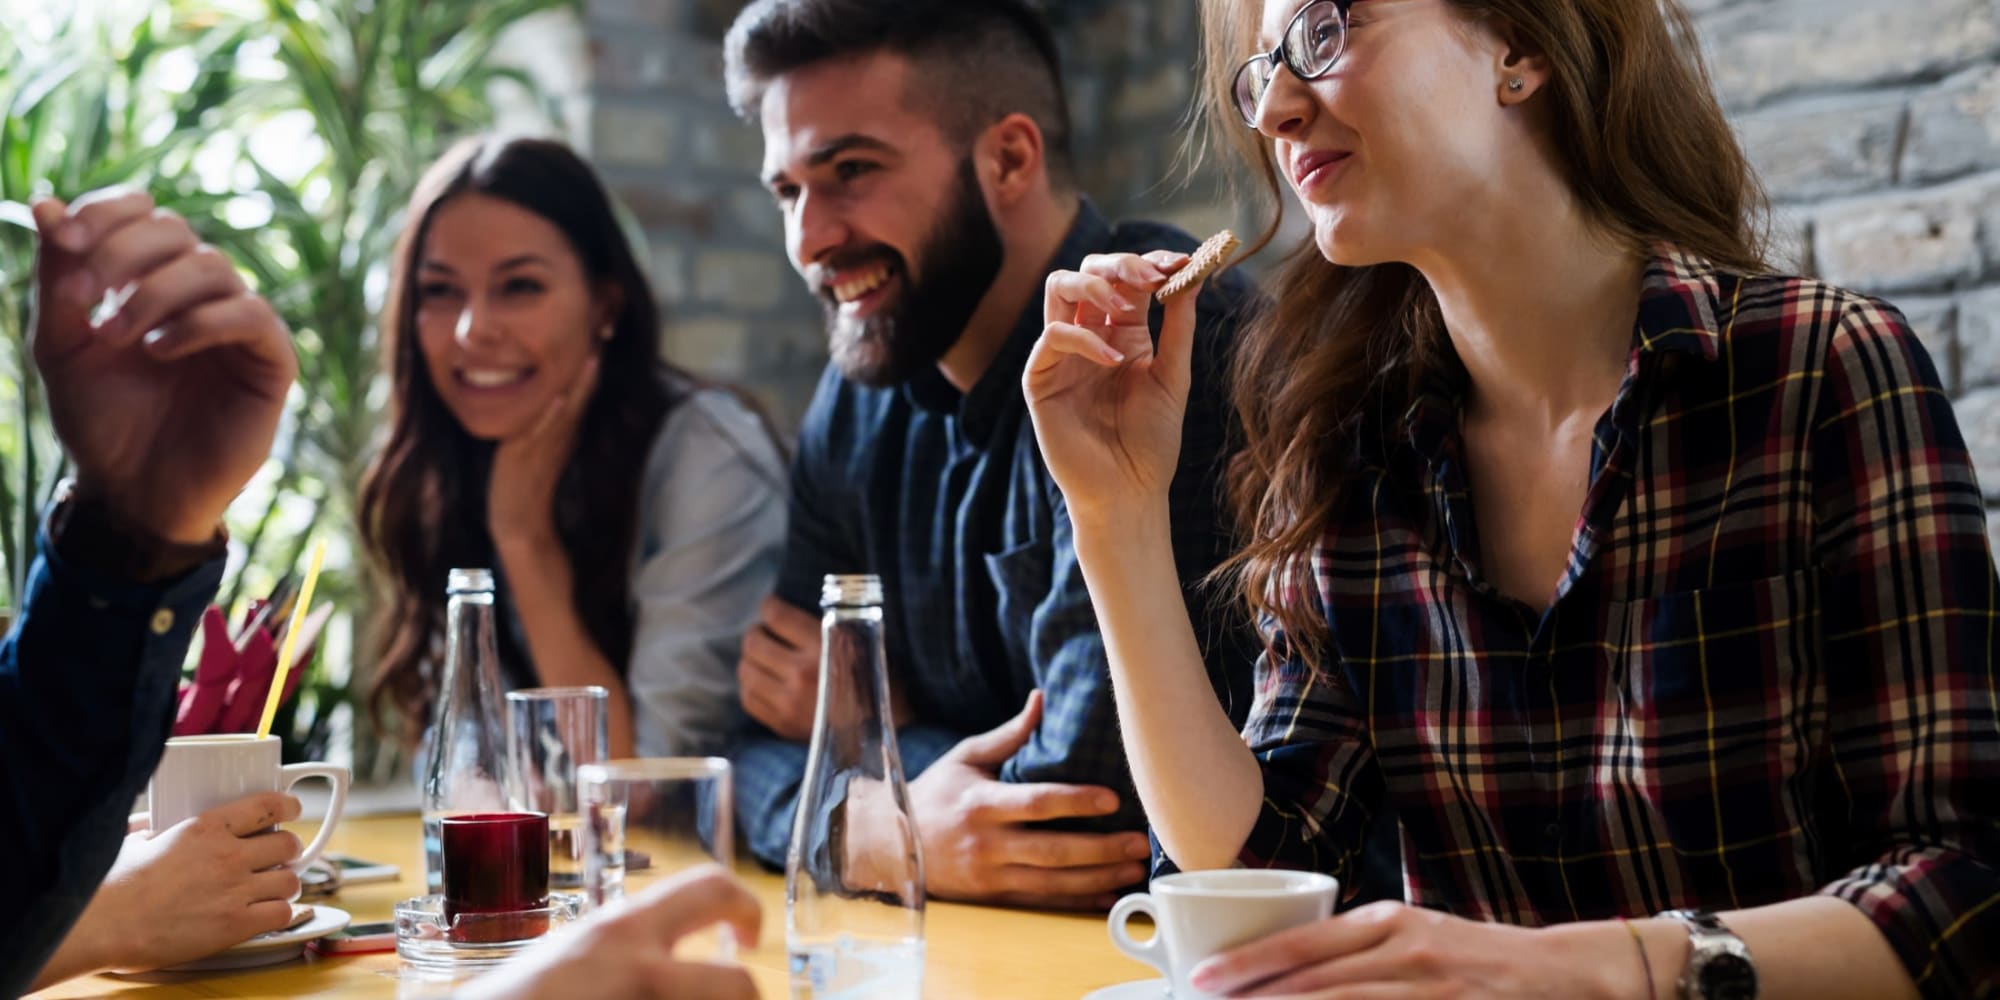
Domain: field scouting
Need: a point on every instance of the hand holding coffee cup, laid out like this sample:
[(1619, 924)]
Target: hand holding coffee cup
[(186, 891), (1200, 914), (199, 773)]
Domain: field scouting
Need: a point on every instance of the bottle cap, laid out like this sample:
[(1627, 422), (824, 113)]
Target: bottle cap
[(469, 581), (851, 590)]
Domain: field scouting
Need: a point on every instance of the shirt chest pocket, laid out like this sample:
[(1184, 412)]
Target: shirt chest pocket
[(1020, 577), (1719, 686)]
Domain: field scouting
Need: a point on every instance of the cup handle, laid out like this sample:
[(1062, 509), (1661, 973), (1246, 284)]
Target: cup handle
[(1152, 952), (338, 777)]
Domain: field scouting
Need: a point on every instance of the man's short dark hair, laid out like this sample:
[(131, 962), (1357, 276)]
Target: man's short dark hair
[(976, 61)]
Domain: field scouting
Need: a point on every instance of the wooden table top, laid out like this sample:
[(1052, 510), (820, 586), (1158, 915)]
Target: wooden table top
[(972, 952)]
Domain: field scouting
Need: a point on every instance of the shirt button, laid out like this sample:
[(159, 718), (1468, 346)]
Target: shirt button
[(163, 621), (1554, 832)]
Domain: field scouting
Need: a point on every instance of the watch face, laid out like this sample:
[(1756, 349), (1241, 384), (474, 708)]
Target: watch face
[(1727, 976)]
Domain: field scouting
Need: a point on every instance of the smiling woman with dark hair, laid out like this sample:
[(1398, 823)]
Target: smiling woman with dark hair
[(633, 515)]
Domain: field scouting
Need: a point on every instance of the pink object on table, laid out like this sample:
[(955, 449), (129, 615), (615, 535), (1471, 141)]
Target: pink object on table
[(231, 681)]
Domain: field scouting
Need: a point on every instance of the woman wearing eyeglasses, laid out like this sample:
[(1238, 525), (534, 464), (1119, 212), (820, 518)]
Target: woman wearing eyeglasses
[(1649, 588)]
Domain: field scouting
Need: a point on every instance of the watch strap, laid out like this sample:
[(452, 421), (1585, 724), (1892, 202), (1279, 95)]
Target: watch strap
[(1708, 940)]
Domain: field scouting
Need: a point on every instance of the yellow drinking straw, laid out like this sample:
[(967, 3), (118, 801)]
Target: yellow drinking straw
[(291, 640)]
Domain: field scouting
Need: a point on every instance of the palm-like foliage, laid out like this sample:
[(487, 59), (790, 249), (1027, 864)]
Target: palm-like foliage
[(289, 133)]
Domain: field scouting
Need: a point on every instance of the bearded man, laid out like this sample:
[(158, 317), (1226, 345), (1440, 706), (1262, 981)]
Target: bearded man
[(919, 151)]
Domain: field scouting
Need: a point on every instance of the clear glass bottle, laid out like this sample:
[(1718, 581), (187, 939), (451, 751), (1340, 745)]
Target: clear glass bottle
[(854, 877), (466, 771)]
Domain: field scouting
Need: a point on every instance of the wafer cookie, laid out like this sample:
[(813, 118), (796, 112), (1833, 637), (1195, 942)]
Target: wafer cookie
[(1206, 258)]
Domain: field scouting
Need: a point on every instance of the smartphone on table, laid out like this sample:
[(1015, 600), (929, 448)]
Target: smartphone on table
[(356, 939), (356, 871)]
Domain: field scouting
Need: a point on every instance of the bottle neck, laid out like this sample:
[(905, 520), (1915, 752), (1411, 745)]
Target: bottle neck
[(854, 671), (471, 652)]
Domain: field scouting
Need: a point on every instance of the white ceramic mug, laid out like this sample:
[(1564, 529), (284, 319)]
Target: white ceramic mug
[(198, 773), (1199, 914)]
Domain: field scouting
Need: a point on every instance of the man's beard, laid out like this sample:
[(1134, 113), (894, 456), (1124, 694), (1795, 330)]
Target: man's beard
[(958, 260)]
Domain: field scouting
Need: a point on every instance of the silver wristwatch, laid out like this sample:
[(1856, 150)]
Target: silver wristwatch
[(1718, 965)]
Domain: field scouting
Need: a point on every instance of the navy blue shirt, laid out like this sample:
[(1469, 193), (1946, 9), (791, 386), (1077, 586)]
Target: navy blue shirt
[(944, 495), (87, 684)]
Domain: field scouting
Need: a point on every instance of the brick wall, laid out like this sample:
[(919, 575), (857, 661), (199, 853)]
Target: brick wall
[(1877, 131), (658, 128)]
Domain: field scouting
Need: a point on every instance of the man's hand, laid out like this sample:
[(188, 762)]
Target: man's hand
[(627, 952), (978, 847), (169, 404), (778, 673)]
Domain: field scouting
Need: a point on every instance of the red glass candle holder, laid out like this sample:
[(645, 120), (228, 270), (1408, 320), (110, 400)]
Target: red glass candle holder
[(495, 863)]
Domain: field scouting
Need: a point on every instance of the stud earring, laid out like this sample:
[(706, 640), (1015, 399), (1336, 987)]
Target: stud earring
[(1516, 84), (604, 333)]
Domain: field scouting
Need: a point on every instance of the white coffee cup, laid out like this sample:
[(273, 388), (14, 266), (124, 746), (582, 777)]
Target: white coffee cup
[(1200, 914), (198, 773)]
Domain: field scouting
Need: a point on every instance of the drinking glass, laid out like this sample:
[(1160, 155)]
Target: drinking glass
[(495, 863), (550, 733), (648, 819)]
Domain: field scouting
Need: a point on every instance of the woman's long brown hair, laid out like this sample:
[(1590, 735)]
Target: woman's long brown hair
[(1648, 156), (423, 499)]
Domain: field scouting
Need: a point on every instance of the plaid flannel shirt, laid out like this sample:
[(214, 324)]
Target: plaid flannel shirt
[(1767, 672)]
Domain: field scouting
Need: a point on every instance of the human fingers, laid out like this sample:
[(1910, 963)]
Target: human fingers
[(263, 917), (770, 656), (191, 277), (268, 850), (1127, 268), (139, 822), (277, 883), (1030, 802), (1065, 290), (994, 746), (92, 216), (1061, 340), (790, 624), (1073, 850), (698, 898), (245, 323), (129, 252), (1173, 356), (1296, 948), (253, 813)]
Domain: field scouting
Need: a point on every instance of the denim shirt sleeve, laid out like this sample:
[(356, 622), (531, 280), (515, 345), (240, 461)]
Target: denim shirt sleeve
[(88, 678)]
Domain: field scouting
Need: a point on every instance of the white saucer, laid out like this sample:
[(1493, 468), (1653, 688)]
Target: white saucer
[(1144, 989), (272, 948)]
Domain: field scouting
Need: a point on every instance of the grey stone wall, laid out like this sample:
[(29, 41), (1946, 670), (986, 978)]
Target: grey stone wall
[(659, 130), (1877, 132), (1876, 129)]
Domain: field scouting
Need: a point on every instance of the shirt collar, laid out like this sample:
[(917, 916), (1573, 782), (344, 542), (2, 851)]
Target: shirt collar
[(1682, 308), (999, 389)]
